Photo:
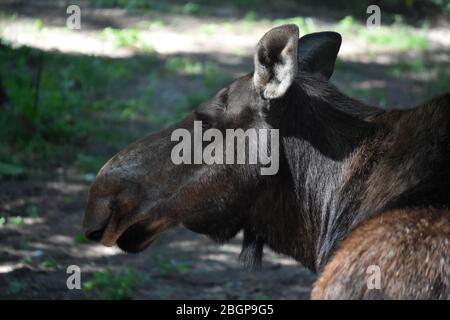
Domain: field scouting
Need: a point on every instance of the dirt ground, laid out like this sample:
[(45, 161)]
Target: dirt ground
[(34, 254)]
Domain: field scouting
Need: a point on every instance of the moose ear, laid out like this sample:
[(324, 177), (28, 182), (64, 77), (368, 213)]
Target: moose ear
[(317, 52), (276, 61)]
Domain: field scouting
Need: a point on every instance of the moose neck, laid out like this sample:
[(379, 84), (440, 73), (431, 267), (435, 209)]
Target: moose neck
[(322, 131)]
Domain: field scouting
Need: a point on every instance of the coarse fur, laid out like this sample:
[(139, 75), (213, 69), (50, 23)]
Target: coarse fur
[(403, 238)]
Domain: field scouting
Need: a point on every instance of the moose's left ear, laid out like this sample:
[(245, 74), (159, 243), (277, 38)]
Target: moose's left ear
[(317, 52), (276, 61)]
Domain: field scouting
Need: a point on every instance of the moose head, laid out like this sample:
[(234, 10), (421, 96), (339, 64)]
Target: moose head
[(140, 192)]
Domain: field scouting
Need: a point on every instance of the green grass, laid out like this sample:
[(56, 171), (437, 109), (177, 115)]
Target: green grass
[(196, 7), (10, 170), (210, 73), (305, 24), (16, 221), (55, 104), (32, 211), (248, 20), (442, 84), (16, 286), (400, 38), (88, 163), (397, 36), (168, 266), (50, 265), (398, 70), (373, 95), (443, 4), (108, 285), (184, 65), (80, 238), (129, 37), (260, 296)]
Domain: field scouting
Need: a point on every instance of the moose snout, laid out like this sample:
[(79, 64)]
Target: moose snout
[(96, 219), (112, 201)]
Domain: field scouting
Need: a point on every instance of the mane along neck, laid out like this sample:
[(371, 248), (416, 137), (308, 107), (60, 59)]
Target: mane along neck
[(323, 132), (344, 162)]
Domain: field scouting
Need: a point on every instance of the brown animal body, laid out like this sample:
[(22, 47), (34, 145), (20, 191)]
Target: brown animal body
[(410, 247), (352, 184)]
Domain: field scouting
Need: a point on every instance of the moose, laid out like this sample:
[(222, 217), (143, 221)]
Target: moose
[(357, 186)]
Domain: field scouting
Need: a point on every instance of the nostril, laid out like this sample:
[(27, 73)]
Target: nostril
[(94, 235)]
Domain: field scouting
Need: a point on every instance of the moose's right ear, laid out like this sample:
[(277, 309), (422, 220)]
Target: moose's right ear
[(317, 52), (276, 61)]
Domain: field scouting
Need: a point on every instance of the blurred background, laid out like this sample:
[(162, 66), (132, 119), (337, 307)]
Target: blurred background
[(70, 99)]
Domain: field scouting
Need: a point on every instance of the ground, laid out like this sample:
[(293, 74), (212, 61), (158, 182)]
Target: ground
[(153, 65)]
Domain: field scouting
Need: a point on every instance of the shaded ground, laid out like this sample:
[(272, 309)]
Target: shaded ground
[(180, 265), (180, 59)]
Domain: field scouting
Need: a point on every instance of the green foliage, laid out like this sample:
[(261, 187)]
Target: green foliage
[(195, 7), (191, 8), (260, 296), (127, 4), (10, 170), (128, 38), (17, 220), (184, 65), (53, 102), (443, 4), (67, 200), (249, 19), (38, 24), (108, 285), (32, 212), (123, 37), (305, 24), (209, 72), (443, 80), (212, 76), (371, 95), (397, 36), (80, 238), (401, 38), (50, 265), (88, 163), (399, 69), (16, 286), (167, 266)]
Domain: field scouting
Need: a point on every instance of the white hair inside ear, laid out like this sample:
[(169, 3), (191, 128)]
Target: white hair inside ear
[(276, 61), (284, 74)]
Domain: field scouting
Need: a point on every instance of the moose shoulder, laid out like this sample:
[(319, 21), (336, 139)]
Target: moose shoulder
[(342, 164)]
